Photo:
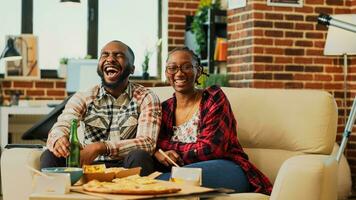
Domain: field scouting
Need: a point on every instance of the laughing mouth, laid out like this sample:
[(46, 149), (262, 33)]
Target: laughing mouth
[(180, 81), (111, 71)]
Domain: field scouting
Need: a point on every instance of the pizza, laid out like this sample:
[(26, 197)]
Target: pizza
[(131, 185)]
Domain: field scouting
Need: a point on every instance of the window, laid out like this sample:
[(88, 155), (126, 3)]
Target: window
[(133, 22), (10, 20), (61, 29)]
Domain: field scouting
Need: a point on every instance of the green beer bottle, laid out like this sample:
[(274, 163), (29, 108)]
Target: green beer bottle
[(73, 160)]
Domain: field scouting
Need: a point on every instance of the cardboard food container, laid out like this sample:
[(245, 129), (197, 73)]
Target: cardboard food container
[(109, 175)]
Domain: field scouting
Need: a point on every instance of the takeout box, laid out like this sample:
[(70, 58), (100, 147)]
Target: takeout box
[(108, 176), (185, 175)]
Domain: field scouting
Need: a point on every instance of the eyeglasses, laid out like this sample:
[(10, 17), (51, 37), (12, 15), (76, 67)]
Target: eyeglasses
[(173, 68)]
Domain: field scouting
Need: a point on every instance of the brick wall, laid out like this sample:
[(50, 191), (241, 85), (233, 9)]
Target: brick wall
[(282, 47), (177, 10), (47, 89)]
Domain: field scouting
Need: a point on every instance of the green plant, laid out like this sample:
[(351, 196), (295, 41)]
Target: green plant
[(63, 61), (146, 61), (200, 18), (216, 79)]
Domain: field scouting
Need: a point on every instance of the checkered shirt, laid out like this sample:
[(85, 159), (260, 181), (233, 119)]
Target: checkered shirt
[(128, 122), (217, 138)]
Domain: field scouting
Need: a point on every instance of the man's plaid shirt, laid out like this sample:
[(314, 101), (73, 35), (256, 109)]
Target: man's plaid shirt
[(217, 138), (128, 122)]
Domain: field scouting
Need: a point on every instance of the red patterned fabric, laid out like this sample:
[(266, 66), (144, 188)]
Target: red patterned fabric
[(217, 138)]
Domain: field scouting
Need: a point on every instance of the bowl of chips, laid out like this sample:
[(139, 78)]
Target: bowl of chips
[(75, 172)]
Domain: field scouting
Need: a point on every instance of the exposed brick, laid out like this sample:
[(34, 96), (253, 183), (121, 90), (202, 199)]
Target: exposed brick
[(175, 4), (279, 76), (303, 60), (35, 93), (303, 43), (283, 60), (265, 84), (294, 17), (191, 5), (304, 9), (294, 52), (315, 2), (323, 60), (313, 69), (343, 11), (55, 93), (334, 2), (274, 68), (277, 51), (322, 77), (284, 9), (311, 18), (283, 42), (323, 10), (333, 86), (297, 68), (290, 85), (319, 44), (60, 84), (258, 6), (265, 24), (304, 26), (274, 16), (313, 35), (265, 76), (284, 25), (176, 19), (6, 84), (44, 84), (23, 84), (303, 77), (294, 34), (263, 41), (175, 34), (271, 33), (264, 59), (313, 85)]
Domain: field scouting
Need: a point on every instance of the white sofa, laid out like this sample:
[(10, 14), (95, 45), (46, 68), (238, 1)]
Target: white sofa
[(288, 134)]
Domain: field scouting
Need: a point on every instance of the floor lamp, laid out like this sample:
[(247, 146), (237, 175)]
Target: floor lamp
[(341, 41)]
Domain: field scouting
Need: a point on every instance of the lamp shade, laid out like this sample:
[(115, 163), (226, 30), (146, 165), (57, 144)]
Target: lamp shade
[(340, 41), (10, 53)]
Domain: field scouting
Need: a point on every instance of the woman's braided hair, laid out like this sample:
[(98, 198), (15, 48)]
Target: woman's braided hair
[(194, 56)]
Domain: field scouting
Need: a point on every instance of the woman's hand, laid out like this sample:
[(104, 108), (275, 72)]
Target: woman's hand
[(173, 155)]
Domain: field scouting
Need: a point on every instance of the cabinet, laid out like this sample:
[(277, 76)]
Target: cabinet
[(215, 28)]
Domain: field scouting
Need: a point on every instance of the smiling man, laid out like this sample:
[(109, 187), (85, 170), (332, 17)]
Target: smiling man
[(120, 120)]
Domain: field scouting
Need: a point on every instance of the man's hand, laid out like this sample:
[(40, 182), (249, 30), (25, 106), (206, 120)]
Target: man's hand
[(172, 155), (61, 147), (90, 152)]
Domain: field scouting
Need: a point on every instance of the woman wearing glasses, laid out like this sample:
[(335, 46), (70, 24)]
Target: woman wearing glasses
[(198, 129)]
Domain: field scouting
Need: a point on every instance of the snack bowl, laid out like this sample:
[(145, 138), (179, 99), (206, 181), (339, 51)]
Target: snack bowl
[(75, 172)]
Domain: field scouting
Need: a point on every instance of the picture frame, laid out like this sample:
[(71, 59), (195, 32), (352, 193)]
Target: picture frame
[(285, 3), (27, 67)]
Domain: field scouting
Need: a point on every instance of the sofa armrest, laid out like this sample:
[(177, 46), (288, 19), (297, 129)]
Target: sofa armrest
[(311, 177), (16, 179)]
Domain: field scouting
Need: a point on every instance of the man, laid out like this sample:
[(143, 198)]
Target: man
[(120, 119)]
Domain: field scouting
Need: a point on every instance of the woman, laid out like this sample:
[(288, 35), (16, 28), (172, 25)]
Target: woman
[(199, 130)]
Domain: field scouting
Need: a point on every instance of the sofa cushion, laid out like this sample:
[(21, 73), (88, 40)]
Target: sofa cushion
[(292, 120)]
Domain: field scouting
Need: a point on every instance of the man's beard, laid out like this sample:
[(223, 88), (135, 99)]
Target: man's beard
[(118, 82)]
